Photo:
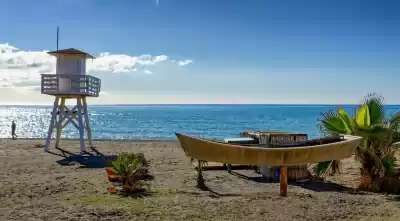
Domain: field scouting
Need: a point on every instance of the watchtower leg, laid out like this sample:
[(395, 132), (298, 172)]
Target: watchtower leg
[(52, 124), (81, 124), (87, 125), (59, 122)]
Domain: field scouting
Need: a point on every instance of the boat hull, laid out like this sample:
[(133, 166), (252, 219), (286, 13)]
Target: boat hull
[(236, 154)]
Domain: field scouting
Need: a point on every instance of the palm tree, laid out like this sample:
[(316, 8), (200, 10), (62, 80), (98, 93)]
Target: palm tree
[(132, 169), (376, 152)]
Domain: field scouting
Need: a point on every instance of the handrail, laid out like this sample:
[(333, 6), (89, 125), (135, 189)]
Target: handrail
[(54, 84)]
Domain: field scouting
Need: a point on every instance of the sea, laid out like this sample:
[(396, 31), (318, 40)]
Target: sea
[(160, 122)]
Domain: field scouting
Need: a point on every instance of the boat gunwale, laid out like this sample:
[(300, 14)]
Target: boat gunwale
[(347, 139)]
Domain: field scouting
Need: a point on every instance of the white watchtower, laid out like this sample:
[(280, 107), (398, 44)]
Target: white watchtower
[(70, 82)]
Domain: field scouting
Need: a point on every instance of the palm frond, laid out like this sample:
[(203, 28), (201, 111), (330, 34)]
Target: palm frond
[(376, 107), (347, 121), (334, 126), (371, 161), (389, 163), (335, 122), (376, 131), (362, 117), (394, 122), (321, 169)]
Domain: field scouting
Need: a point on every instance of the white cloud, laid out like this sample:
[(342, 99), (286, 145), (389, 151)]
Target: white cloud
[(146, 71), (19, 68), (34, 88), (103, 93), (121, 63), (184, 62)]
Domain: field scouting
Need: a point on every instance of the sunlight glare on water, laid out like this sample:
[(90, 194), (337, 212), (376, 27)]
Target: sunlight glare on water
[(161, 121)]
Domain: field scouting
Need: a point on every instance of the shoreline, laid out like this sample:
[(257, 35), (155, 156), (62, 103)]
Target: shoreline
[(98, 140)]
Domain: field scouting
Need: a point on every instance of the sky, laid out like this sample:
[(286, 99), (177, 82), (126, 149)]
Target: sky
[(207, 51)]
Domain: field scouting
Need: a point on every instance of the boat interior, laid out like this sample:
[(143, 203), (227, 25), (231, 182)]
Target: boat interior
[(311, 142)]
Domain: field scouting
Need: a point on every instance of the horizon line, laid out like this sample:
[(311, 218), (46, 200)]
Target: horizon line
[(187, 104)]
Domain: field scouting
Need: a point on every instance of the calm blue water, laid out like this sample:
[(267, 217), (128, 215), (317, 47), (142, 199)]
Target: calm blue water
[(161, 121)]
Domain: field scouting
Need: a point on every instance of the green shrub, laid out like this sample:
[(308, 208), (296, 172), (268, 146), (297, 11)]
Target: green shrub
[(132, 168), (376, 152)]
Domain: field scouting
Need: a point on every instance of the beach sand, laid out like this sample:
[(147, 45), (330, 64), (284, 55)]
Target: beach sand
[(33, 186)]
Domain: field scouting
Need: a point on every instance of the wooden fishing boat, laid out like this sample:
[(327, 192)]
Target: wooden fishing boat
[(311, 151)]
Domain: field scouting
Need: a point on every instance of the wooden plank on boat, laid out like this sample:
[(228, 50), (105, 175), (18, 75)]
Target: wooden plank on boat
[(240, 140), (275, 137), (294, 172)]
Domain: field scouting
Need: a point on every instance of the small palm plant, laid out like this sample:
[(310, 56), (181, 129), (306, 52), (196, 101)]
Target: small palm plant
[(381, 134), (132, 168)]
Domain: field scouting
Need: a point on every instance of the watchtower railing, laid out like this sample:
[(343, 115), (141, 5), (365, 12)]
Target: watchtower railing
[(70, 84)]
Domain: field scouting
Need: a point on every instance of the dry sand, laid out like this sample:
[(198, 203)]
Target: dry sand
[(33, 186)]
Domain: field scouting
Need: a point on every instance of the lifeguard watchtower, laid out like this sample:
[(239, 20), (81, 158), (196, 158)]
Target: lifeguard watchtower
[(70, 82)]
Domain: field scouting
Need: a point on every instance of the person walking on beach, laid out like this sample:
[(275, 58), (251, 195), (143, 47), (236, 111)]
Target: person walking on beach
[(13, 127)]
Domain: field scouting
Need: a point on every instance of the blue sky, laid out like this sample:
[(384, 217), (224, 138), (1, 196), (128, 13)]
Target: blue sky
[(258, 51)]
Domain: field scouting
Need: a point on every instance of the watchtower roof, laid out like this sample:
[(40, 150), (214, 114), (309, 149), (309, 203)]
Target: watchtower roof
[(71, 51)]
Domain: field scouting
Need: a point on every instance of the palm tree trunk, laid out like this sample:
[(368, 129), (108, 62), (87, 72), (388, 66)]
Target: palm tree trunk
[(366, 180)]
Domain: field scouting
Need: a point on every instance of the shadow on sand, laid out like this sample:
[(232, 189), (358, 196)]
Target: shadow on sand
[(326, 186), (214, 194), (393, 197), (314, 185), (257, 179), (93, 159)]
